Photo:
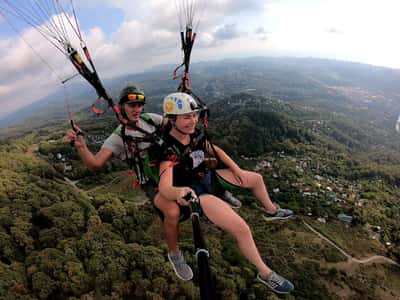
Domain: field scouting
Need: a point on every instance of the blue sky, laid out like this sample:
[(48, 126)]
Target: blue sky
[(128, 36), (106, 16)]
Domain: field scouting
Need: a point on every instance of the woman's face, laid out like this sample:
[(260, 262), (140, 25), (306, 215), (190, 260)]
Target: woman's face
[(187, 123), (133, 111)]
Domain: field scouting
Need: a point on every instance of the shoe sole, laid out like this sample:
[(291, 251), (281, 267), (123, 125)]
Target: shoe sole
[(235, 207), (231, 205), (276, 218), (176, 272)]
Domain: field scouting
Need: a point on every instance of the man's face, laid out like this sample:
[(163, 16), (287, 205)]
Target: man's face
[(133, 111)]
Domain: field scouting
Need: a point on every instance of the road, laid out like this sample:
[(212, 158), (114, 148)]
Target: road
[(351, 259)]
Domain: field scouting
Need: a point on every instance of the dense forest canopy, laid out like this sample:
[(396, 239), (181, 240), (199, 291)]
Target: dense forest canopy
[(102, 237)]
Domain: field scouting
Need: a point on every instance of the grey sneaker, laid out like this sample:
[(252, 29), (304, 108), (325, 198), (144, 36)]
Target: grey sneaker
[(280, 214), (181, 268), (231, 200), (277, 283)]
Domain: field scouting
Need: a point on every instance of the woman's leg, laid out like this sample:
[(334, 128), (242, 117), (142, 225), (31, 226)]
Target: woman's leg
[(171, 212), (252, 181), (222, 215)]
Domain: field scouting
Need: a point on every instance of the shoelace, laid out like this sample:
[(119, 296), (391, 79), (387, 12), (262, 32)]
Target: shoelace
[(178, 260), (276, 280)]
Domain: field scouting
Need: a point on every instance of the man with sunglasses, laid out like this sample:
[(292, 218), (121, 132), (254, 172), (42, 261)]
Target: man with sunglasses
[(131, 101)]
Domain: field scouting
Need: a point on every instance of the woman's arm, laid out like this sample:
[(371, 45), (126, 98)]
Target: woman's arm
[(225, 158), (166, 188)]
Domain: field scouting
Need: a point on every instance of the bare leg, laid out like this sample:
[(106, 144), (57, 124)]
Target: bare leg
[(254, 182), (222, 215), (171, 212)]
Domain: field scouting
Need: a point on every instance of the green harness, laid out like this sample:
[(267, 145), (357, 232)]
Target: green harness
[(143, 166)]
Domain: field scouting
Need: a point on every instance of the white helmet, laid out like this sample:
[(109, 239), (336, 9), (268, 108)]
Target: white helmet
[(179, 104)]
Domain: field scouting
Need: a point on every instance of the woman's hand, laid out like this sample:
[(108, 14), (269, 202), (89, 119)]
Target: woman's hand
[(182, 193), (239, 175)]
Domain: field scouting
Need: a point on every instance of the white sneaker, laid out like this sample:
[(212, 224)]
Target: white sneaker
[(181, 268)]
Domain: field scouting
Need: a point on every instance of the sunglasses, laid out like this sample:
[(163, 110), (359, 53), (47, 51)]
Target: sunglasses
[(134, 97)]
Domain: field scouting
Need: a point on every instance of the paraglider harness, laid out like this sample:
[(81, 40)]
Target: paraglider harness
[(143, 163), (138, 168), (188, 38)]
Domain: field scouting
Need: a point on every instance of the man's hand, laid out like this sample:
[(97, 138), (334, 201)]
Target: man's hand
[(75, 135)]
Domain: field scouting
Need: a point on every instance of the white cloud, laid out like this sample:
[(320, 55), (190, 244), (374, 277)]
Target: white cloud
[(366, 29), (261, 33), (31, 69), (148, 35), (227, 32), (4, 90)]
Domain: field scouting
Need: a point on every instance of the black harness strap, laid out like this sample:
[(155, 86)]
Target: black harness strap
[(187, 42), (132, 156), (194, 142), (132, 151)]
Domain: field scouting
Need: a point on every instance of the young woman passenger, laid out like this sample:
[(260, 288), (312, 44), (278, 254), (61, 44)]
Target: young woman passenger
[(183, 169)]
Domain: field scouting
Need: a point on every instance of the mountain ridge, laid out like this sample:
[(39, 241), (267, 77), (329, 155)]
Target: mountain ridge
[(292, 79)]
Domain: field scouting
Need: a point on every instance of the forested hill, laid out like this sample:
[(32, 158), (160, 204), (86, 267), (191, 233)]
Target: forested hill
[(264, 121), (67, 233)]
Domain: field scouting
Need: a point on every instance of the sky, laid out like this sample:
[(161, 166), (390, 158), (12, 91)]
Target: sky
[(130, 36)]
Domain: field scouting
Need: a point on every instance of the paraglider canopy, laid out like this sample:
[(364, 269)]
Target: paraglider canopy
[(55, 20), (189, 15)]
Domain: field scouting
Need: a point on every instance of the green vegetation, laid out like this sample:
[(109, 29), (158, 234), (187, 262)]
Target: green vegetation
[(102, 237)]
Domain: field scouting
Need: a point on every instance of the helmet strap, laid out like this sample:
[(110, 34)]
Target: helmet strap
[(123, 113)]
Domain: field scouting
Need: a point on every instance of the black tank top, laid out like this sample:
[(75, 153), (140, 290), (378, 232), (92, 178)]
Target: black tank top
[(189, 160)]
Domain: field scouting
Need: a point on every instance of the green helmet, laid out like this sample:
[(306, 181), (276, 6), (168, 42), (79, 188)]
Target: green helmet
[(132, 94)]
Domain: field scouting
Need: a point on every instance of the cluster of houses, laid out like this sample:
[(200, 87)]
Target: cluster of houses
[(67, 167), (96, 139), (333, 191)]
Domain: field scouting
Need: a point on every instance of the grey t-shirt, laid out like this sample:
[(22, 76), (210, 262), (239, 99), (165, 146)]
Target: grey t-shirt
[(115, 144)]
